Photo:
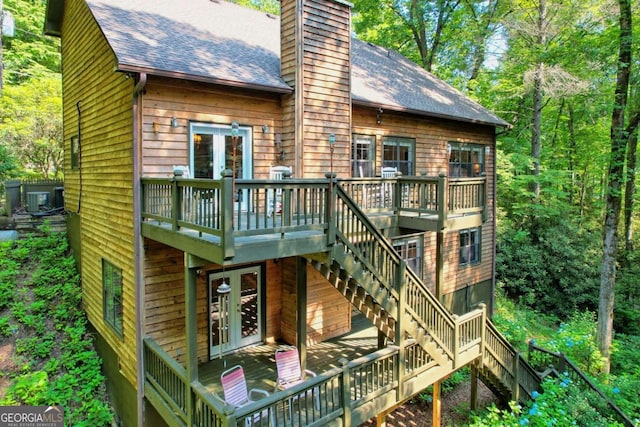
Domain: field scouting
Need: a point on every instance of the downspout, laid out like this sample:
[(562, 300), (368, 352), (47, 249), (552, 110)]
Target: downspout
[(137, 238)]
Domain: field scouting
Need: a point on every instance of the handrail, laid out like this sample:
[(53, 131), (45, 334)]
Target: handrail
[(566, 365), (365, 242), (167, 377)]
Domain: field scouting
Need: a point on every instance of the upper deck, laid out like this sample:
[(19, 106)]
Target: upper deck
[(279, 218)]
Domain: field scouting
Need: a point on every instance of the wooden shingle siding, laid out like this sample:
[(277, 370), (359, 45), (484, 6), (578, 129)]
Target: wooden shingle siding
[(432, 137), (327, 99), (105, 98), (166, 98), (328, 312), (164, 302)]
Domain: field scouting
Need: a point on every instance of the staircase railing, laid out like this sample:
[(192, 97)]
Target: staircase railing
[(554, 363), (425, 314)]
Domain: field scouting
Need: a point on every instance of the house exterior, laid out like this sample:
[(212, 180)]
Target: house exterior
[(177, 114)]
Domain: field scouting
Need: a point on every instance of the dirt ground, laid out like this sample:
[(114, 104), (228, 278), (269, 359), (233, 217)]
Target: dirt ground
[(455, 409)]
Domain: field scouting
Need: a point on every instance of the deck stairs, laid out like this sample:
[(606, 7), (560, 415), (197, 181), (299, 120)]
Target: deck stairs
[(363, 265)]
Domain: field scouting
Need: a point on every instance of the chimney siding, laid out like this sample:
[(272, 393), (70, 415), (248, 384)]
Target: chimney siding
[(316, 62)]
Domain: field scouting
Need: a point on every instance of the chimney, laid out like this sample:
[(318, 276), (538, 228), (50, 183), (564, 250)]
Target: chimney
[(315, 43)]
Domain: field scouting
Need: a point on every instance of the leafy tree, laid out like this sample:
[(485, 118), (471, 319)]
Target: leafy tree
[(614, 189), (31, 125), (29, 54)]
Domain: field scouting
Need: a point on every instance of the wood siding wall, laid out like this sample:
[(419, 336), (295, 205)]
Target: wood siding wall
[(328, 312), (432, 137), (322, 105), (106, 173), (164, 302), (164, 146)]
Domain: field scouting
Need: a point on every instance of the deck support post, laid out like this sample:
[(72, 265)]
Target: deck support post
[(191, 328), (301, 309), (346, 391), (437, 405), (439, 264), (399, 332), (473, 405)]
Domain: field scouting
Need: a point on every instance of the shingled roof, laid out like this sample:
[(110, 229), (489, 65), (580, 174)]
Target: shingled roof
[(220, 42)]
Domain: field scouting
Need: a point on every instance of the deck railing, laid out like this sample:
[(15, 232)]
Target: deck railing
[(281, 206), (556, 363), (337, 393), (402, 292)]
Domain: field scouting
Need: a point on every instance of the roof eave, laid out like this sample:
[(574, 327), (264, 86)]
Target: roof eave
[(365, 103), (204, 79), (53, 18)]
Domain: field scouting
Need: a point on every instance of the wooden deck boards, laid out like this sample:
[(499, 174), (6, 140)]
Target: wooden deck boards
[(259, 362)]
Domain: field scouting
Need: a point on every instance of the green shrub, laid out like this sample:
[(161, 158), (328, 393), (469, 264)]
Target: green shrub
[(46, 312)]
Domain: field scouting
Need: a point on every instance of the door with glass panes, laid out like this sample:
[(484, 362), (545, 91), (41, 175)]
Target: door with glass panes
[(214, 148), (235, 312)]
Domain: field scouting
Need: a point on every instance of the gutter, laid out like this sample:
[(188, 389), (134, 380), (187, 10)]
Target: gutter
[(284, 89), (137, 238)]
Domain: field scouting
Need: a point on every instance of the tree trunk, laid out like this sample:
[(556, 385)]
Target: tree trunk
[(536, 120), (630, 190), (614, 188)]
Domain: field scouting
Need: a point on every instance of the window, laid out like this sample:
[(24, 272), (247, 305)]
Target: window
[(411, 251), (399, 153), (363, 148), (469, 246), (466, 160), (112, 294)]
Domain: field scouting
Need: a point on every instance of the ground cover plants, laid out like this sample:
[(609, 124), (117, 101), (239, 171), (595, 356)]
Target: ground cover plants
[(47, 351)]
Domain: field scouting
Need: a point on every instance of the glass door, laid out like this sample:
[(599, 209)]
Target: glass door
[(234, 310), (213, 149)]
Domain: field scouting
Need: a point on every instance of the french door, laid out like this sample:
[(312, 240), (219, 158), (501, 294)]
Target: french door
[(235, 312), (214, 149)]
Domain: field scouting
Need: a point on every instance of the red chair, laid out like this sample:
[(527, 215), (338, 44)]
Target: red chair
[(290, 373), (234, 387)]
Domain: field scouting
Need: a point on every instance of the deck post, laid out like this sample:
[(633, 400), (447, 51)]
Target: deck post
[(346, 392), (190, 277), (227, 200), (443, 199), (515, 391), (331, 207), (175, 199), (399, 338), (473, 405), (437, 405), (301, 309), (439, 264)]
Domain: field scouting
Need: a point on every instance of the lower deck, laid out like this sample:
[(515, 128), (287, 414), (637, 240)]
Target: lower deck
[(259, 363)]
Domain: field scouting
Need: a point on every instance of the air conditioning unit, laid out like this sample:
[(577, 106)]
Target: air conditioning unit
[(36, 200)]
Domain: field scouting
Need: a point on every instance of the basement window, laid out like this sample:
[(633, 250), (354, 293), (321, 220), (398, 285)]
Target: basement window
[(469, 246), (112, 296), (411, 250)]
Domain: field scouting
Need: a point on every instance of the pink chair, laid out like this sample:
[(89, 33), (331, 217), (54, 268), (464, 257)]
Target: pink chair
[(290, 373), (234, 387)]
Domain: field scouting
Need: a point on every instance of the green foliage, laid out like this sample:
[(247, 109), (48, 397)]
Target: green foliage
[(549, 263), (29, 53), (561, 403), (61, 367), (31, 125)]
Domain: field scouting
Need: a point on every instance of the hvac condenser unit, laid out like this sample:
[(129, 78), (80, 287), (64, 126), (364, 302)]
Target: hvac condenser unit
[(36, 200)]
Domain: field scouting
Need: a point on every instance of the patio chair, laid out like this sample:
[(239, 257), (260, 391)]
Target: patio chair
[(290, 372), (274, 197), (234, 387), (386, 193)]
